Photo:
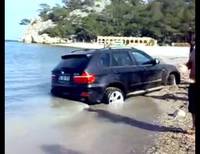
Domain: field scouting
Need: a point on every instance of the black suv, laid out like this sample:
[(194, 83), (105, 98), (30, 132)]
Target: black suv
[(108, 75)]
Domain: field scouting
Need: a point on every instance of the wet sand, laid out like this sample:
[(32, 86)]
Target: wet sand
[(69, 127)]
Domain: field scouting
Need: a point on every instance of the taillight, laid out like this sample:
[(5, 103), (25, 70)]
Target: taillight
[(85, 94), (84, 78)]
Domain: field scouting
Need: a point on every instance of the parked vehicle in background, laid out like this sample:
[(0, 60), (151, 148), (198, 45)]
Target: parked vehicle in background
[(108, 75)]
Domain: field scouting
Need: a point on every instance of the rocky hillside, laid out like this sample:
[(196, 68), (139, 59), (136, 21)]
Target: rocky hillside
[(32, 35)]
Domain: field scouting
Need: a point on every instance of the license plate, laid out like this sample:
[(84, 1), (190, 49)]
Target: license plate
[(64, 78)]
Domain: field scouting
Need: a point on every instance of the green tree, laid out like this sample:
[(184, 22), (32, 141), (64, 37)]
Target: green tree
[(58, 13), (43, 11), (88, 3), (72, 4), (24, 22), (167, 20)]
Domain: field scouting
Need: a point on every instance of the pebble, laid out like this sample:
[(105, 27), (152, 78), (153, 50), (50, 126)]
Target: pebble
[(170, 142)]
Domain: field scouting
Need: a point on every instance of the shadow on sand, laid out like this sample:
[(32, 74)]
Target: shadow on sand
[(168, 97), (57, 149), (116, 118)]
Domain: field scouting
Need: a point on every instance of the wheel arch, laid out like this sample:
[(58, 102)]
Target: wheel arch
[(177, 76), (118, 85)]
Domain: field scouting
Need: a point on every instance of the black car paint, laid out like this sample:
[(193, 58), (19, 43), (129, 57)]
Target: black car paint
[(127, 78)]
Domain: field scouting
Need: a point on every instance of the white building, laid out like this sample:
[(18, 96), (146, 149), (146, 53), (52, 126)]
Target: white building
[(128, 41)]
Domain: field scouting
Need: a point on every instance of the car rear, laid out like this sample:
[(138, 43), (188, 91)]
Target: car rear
[(73, 77)]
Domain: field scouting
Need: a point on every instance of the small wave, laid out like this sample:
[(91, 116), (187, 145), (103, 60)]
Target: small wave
[(21, 76), (29, 86), (11, 81), (22, 96)]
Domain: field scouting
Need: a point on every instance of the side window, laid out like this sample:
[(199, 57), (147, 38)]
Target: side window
[(121, 59), (104, 60), (142, 59)]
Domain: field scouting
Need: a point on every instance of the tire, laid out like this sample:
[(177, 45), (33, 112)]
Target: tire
[(113, 95), (171, 80)]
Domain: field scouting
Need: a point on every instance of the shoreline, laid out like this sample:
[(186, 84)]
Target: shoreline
[(82, 45), (166, 51), (157, 51)]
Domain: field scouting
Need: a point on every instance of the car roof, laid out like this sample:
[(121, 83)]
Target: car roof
[(93, 51)]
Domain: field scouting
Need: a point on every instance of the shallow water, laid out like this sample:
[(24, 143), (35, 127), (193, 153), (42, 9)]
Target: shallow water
[(28, 71), (38, 123)]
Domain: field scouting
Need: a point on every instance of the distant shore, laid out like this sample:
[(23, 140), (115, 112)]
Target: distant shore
[(12, 40), (157, 51), (82, 45), (167, 51)]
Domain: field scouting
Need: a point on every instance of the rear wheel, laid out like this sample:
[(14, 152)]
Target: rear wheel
[(113, 95), (171, 80)]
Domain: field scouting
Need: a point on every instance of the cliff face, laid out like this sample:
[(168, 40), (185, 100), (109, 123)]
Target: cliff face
[(32, 33)]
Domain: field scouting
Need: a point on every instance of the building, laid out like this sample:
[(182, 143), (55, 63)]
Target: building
[(127, 41)]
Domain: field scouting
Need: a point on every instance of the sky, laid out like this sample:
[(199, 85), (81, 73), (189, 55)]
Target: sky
[(17, 10)]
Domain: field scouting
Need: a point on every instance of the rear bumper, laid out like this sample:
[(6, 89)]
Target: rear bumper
[(94, 93)]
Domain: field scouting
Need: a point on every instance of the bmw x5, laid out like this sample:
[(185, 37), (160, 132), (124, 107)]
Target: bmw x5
[(108, 75)]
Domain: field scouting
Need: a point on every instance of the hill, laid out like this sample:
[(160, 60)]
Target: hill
[(83, 20)]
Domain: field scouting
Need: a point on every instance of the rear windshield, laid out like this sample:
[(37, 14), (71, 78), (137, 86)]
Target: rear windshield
[(79, 62)]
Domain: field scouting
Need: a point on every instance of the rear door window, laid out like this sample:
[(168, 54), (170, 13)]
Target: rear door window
[(121, 58), (104, 60)]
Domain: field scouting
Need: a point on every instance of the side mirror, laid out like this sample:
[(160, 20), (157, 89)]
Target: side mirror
[(156, 61)]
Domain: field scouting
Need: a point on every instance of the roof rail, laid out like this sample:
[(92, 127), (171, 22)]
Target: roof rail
[(75, 50), (79, 50)]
